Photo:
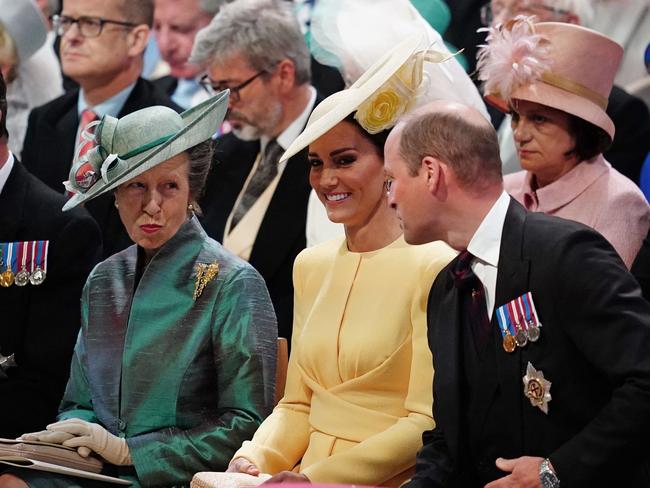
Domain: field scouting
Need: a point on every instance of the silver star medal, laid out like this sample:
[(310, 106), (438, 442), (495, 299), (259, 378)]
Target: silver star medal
[(537, 388)]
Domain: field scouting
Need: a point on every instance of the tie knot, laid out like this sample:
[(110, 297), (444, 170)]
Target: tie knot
[(462, 271), (87, 116), (272, 152)]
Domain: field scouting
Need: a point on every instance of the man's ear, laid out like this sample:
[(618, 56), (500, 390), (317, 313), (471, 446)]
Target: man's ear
[(286, 72), (138, 38), (432, 168)]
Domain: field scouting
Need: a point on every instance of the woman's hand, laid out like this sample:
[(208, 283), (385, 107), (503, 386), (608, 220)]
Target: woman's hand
[(242, 465), (46, 436), (89, 437), (287, 477), (11, 481)]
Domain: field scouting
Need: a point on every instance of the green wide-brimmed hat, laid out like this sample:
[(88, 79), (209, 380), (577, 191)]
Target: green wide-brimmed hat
[(127, 147)]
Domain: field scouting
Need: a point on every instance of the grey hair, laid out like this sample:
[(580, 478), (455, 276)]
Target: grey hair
[(264, 31), (200, 162)]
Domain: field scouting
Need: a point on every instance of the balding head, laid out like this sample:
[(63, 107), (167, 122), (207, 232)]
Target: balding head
[(457, 135)]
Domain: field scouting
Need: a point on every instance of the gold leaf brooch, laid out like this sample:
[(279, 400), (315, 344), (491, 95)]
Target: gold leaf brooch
[(205, 273)]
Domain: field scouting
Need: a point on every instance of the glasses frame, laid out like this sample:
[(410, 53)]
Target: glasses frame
[(214, 88), (487, 15), (59, 29)]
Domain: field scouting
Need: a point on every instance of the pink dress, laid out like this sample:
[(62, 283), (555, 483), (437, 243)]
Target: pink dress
[(595, 194)]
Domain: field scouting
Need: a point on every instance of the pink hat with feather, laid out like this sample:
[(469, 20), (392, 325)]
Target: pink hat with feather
[(564, 66)]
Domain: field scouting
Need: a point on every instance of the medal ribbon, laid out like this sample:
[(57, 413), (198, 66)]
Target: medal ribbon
[(535, 317), (15, 252), (519, 309), (22, 254), (33, 262), (46, 245), (39, 257), (523, 303), (501, 318), (9, 254), (513, 316), (3, 254)]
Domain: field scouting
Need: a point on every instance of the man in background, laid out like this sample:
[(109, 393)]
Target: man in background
[(102, 42)]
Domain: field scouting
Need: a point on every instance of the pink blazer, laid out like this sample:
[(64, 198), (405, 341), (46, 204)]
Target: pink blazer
[(595, 194)]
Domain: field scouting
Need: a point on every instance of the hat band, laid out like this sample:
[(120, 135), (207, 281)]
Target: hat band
[(146, 147), (574, 87)]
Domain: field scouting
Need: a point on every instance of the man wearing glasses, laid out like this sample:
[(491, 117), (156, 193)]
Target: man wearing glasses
[(256, 207), (102, 42)]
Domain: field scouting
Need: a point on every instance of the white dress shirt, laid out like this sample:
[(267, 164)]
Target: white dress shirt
[(5, 170), (485, 246)]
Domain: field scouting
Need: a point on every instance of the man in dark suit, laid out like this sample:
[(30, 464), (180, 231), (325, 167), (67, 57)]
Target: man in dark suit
[(39, 321), (256, 207), (101, 48), (175, 25), (562, 394)]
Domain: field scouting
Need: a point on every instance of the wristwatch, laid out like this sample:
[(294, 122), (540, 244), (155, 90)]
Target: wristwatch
[(546, 475)]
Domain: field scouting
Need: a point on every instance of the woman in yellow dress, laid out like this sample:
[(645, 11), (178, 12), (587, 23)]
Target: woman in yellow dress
[(358, 395)]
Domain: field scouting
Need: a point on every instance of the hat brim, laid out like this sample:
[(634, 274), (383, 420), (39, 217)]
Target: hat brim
[(560, 99), (338, 106), (200, 123)]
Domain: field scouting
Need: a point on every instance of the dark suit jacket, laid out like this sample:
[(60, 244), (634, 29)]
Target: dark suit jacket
[(49, 149), (39, 324), (593, 348), (282, 233)]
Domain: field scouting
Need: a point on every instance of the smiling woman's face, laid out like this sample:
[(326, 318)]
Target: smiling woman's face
[(347, 174), (153, 205)]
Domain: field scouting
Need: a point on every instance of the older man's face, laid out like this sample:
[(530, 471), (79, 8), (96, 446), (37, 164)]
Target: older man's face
[(176, 23), (544, 10), (255, 110), (97, 60)]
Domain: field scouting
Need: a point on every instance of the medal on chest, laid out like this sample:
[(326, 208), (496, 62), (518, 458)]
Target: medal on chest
[(537, 388), (519, 322)]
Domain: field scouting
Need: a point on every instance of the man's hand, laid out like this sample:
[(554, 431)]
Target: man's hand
[(523, 473), (242, 465), (287, 477), (46, 436)]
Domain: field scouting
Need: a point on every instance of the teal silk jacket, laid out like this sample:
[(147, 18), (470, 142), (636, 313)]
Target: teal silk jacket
[(184, 381)]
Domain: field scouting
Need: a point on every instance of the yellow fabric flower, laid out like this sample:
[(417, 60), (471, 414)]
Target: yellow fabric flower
[(381, 111)]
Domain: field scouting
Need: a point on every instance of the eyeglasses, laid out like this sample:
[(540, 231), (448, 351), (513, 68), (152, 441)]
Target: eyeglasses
[(213, 88), (88, 26), (488, 13)]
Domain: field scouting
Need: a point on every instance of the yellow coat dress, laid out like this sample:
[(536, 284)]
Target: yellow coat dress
[(358, 393)]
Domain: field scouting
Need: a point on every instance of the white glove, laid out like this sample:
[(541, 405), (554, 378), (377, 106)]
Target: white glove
[(46, 436), (93, 437)]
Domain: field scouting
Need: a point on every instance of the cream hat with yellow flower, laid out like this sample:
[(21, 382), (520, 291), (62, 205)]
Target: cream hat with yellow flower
[(385, 92)]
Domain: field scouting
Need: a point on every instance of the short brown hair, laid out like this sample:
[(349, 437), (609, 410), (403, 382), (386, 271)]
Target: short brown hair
[(138, 11), (590, 139), (470, 149)]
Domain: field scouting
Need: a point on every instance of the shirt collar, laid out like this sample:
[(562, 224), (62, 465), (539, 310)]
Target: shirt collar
[(566, 188), (111, 107), (5, 171), (296, 127), (486, 241)]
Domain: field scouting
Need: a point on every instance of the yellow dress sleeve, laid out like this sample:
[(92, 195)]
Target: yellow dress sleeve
[(281, 440), (392, 451)]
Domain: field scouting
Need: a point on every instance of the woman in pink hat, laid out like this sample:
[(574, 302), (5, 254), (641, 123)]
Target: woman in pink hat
[(554, 79)]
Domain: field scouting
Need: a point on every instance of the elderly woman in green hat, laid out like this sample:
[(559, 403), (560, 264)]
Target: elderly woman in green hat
[(175, 363)]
